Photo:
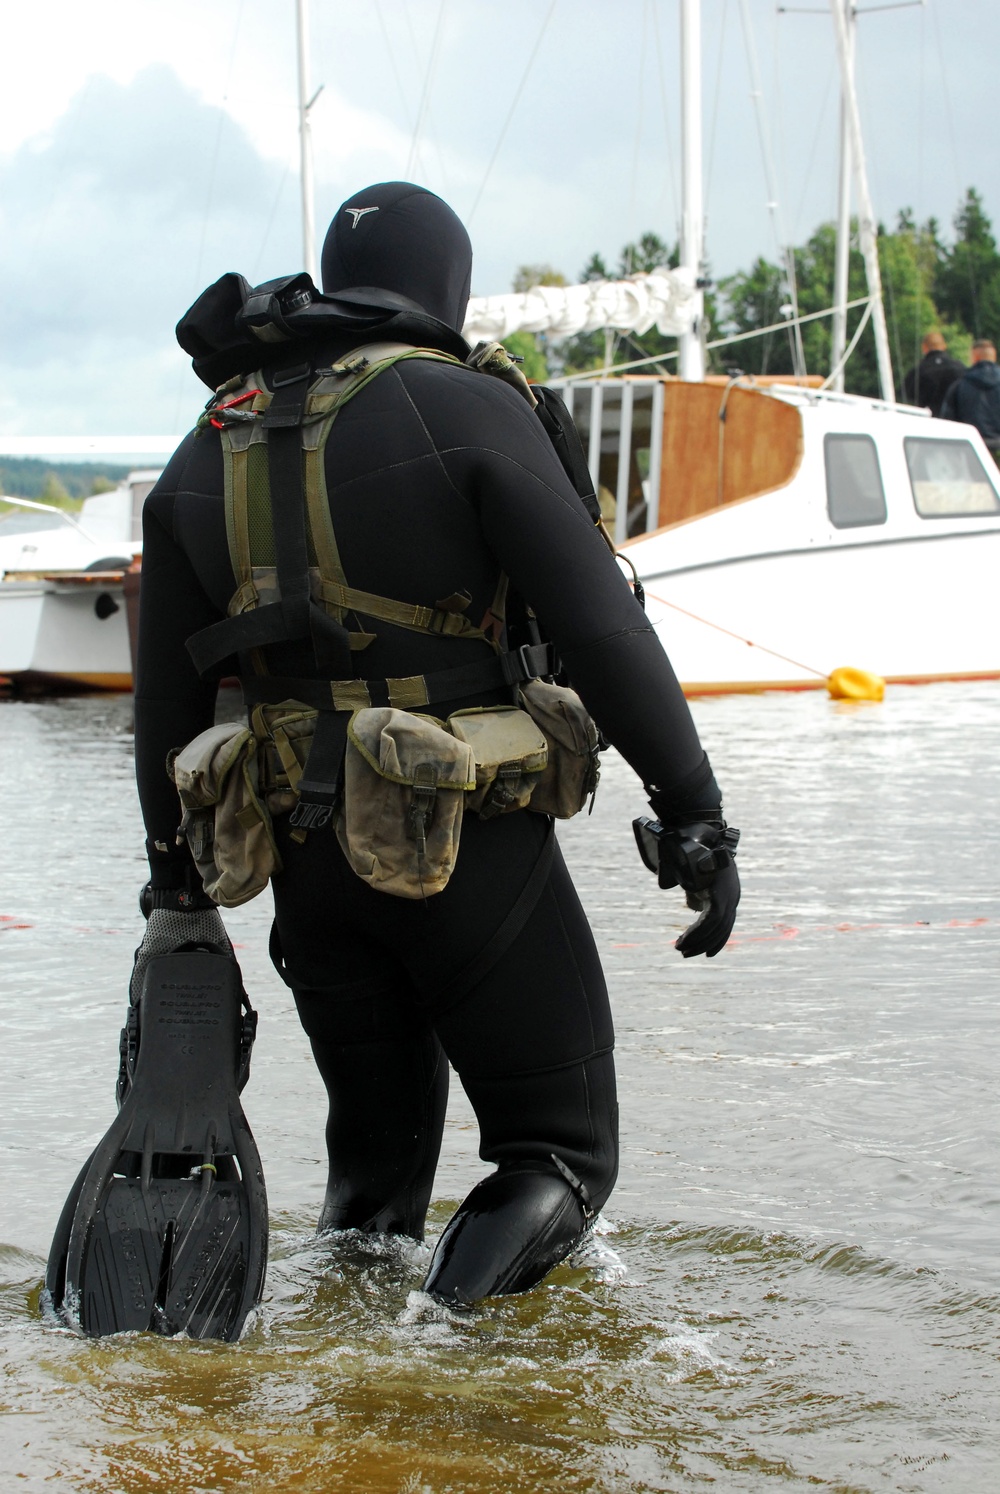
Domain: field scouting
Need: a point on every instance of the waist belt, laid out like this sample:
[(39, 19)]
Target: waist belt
[(319, 787), (530, 662)]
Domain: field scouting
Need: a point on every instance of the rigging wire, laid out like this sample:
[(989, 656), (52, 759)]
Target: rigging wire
[(821, 121), (973, 287), (852, 344), (715, 105), (215, 150), (918, 245), (668, 138), (426, 91), (271, 217), (638, 138), (181, 379), (407, 112), (512, 110), (795, 336), (718, 342)]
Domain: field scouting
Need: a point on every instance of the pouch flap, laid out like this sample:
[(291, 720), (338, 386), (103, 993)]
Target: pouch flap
[(200, 769), (501, 734), (399, 746), (561, 714)]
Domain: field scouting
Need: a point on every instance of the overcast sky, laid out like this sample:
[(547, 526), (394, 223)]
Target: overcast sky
[(146, 146)]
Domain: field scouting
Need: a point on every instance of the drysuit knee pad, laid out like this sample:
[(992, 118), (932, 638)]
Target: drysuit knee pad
[(509, 1233)]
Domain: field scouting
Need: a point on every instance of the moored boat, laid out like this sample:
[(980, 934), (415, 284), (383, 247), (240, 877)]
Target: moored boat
[(64, 593), (783, 532)]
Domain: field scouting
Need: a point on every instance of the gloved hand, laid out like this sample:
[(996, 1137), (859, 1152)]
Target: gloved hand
[(700, 858), (174, 919)]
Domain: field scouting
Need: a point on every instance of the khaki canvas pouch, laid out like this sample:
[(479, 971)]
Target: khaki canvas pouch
[(572, 770), (510, 755), (284, 736), (405, 782), (227, 825)]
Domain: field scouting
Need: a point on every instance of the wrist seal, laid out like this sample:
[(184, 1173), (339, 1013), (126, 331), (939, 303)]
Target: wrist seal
[(176, 899)]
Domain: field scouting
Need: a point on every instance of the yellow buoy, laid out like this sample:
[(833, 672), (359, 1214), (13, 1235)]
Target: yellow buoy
[(855, 684)]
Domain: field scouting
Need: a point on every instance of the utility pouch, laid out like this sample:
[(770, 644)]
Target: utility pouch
[(405, 782), (510, 755), (226, 823), (284, 736), (573, 768)]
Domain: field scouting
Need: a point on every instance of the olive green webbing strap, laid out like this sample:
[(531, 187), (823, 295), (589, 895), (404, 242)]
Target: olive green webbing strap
[(336, 590), (247, 628), (234, 466)]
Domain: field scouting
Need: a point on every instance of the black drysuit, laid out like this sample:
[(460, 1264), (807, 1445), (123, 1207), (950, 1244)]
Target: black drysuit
[(439, 478)]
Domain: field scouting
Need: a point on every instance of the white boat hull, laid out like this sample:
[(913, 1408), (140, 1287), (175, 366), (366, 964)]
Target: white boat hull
[(768, 593), (52, 632), (909, 610)]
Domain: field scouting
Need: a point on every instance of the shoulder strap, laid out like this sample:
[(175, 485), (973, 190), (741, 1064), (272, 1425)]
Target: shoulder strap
[(294, 420)]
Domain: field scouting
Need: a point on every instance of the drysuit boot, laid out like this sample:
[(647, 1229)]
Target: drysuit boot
[(509, 1233)]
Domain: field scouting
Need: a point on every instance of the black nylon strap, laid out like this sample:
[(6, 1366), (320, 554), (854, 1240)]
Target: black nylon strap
[(236, 635), (527, 899), (291, 550), (320, 781), (528, 663)]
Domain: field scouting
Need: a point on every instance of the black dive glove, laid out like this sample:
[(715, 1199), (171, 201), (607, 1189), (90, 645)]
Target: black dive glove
[(700, 858), (176, 918)]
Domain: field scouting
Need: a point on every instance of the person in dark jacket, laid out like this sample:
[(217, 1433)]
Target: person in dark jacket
[(929, 381), (439, 479), (975, 397)]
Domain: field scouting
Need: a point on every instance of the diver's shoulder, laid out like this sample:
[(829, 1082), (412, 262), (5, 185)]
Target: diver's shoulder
[(469, 386)]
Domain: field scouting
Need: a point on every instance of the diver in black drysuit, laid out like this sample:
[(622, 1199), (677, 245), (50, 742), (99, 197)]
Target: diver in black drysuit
[(440, 477)]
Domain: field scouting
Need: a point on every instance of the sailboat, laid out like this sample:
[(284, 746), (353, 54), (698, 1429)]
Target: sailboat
[(781, 531)]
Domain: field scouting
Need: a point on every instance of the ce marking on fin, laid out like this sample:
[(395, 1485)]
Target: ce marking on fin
[(358, 213)]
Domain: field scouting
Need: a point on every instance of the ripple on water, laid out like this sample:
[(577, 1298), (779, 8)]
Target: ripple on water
[(715, 1355), (798, 1288)]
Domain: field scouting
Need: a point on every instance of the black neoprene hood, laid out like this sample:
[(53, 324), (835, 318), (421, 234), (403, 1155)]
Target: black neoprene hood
[(401, 238)]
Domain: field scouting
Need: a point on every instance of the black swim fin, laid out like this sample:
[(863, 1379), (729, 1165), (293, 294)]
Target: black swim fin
[(165, 1228)]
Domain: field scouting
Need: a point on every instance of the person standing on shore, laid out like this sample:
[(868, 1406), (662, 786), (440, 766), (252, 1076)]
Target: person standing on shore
[(928, 381), (975, 397)]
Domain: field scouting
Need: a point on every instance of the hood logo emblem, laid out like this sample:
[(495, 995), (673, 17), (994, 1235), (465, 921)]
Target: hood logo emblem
[(358, 213)]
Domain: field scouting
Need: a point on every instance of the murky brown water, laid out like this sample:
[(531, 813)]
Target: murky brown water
[(798, 1283)]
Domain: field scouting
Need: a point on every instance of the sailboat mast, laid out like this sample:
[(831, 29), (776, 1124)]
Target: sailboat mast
[(867, 228), (692, 358), (305, 141), (841, 266)]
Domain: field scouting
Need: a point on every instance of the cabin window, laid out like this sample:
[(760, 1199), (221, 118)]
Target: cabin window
[(854, 492), (948, 479)]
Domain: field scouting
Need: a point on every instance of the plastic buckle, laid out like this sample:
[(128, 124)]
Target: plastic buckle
[(309, 816), (285, 376)]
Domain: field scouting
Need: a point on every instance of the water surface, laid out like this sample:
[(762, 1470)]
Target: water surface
[(797, 1282)]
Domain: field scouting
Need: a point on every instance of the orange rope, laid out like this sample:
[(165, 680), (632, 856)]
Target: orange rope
[(821, 674)]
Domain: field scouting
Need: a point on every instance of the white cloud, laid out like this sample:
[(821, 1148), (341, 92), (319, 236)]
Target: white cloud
[(148, 145)]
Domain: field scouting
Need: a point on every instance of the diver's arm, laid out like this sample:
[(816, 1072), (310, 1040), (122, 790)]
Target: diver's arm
[(543, 537), (172, 703)]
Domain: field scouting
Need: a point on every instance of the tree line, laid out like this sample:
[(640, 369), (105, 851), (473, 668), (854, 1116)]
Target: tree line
[(63, 484), (928, 284)]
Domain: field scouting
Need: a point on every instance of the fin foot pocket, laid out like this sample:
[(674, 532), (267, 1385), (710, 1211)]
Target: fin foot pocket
[(165, 1229)]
